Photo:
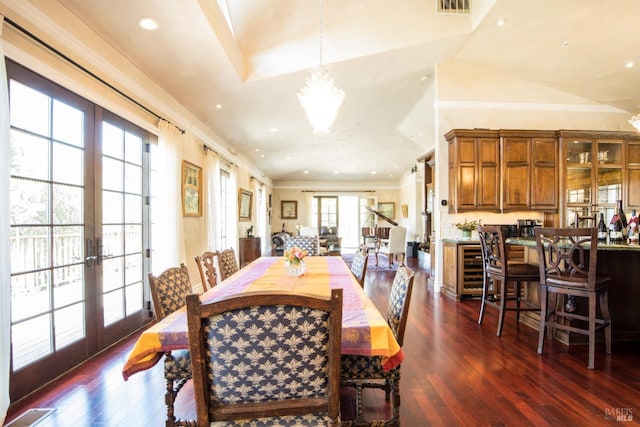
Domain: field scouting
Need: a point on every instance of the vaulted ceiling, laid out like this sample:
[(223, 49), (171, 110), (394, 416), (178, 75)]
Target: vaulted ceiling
[(384, 55)]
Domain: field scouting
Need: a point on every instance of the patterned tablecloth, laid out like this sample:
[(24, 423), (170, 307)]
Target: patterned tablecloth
[(364, 330)]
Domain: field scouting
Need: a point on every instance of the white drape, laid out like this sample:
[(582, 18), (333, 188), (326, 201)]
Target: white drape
[(212, 173), (5, 261), (167, 234), (233, 221)]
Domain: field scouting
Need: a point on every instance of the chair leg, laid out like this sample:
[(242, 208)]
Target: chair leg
[(503, 303), (604, 309), (485, 291), (395, 384), (518, 289), (543, 318), (592, 330), (169, 398)]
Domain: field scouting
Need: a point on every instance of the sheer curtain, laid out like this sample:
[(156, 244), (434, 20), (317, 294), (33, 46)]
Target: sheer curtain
[(167, 233), (258, 190), (5, 262), (212, 170), (232, 224)]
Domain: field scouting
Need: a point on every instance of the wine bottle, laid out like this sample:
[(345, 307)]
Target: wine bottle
[(632, 227), (602, 228), (621, 214), (616, 229)]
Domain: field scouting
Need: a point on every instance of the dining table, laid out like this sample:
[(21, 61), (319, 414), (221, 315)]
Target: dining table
[(365, 331)]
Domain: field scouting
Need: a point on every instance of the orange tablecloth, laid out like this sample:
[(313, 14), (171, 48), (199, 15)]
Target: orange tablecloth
[(364, 330)]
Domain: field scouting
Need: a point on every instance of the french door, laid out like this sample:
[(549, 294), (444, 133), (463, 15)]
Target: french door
[(78, 229)]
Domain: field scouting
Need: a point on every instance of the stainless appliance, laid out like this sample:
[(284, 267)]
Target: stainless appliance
[(526, 227)]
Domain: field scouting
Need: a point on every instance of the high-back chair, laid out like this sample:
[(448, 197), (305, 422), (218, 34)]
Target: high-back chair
[(364, 371), (227, 263), (308, 243), (568, 266), (359, 265), (169, 291), (502, 280), (207, 268), (585, 221), (393, 246), (268, 380)]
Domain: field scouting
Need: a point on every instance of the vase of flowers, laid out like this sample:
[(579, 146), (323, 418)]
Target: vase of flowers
[(294, 261), (467, 227)]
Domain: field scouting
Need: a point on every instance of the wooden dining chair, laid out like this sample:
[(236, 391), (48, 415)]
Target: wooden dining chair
[(502, 280), (207, 268), (367, 371), (266, 359), (169, 291), (568, 266), (227, 262), (359, 265)]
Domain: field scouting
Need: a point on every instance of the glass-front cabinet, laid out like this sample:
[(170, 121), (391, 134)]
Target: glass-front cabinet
[(594, 174)]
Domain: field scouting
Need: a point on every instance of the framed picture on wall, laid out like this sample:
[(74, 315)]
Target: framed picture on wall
[(289, 209), (245, 198), (387, 209), (191, 189)]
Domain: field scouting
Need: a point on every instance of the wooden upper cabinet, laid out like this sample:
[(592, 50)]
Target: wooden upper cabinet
[(474, 170), (633, 174), (530, 170)]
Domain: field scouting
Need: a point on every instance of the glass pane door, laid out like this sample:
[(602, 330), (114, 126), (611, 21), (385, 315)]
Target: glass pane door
[(77, 229)]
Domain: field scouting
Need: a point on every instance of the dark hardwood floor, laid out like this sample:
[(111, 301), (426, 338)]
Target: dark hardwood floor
[(455, 373)]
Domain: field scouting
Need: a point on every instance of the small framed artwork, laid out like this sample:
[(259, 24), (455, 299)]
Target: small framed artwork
[(191, 189), (387, 209), (245, 198), (289, 209)]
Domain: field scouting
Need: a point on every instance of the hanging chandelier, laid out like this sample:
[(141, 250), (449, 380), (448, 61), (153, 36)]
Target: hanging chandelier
[(635, 121), (320, 97)]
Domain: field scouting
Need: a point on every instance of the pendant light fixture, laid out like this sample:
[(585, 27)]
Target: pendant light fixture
[(320, 97)]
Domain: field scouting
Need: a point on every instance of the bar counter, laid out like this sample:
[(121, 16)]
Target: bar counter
[(621, 262)]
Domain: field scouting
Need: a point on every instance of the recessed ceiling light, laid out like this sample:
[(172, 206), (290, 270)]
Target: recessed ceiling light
[(147, 23), (218, 106), (287, 158), (373, 172), (630, 64), (261, 155), (500, 22), (335, 172), (273, 130), (257, 149), (564, 43), (306, 171)]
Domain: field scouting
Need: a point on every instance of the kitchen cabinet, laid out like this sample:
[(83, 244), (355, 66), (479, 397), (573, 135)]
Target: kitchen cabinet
[(249, 250), (599, 169), (529, 170), (474, 170)]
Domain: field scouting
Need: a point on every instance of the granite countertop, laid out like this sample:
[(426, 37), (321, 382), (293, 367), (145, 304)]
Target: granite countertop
[(462, 241), (619, 246)]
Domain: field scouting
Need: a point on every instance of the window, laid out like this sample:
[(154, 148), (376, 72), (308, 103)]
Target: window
[(325, 212)]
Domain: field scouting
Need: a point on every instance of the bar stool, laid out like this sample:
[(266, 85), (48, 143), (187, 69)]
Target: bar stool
[(497, 268), (568, 266)]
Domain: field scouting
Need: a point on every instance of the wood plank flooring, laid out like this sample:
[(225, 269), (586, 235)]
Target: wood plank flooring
[(456, 373)]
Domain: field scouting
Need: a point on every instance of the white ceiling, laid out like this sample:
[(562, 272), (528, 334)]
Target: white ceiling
[(384, 54)]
